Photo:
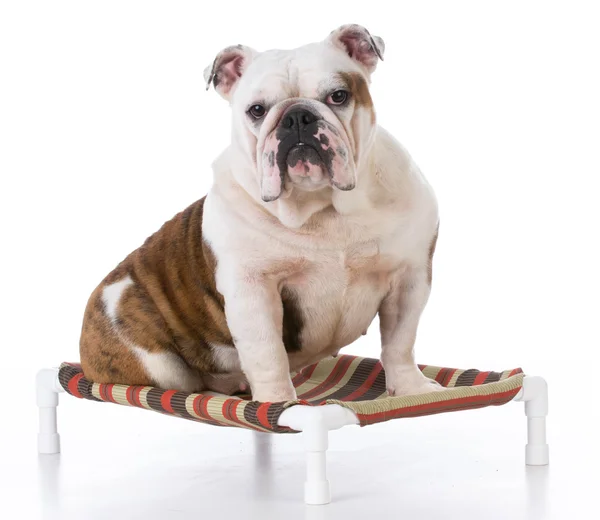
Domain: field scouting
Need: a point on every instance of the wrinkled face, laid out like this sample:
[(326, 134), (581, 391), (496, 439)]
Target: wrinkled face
[(305, 114), (303, 118)]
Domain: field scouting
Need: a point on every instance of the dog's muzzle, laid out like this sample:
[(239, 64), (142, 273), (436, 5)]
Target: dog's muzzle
[(309, 150)]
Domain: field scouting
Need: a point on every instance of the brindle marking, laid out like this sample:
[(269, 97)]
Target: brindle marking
[(292, 321), (172, 306)]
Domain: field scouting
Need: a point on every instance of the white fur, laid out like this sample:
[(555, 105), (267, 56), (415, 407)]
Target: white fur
[(226, 358), (168, 370), (377, 241), (346, 254), (111, 295)]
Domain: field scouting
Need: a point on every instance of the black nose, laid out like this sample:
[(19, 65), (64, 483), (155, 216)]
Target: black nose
[(298, 119)]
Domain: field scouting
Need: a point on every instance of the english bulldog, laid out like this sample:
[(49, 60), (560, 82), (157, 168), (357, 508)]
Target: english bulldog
[(317, 221)]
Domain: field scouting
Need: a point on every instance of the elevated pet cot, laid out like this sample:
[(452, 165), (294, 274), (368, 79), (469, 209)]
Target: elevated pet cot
[(333, 393)]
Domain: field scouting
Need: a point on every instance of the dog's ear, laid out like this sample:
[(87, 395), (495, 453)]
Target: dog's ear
[(359, 44), (227, 68)]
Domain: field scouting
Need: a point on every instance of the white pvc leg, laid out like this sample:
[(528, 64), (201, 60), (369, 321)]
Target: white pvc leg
[(315, 423), (47, 390), (316, 487), (262, 449), (535, 395)]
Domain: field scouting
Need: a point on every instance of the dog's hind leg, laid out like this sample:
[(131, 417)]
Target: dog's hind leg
[(124, 340)]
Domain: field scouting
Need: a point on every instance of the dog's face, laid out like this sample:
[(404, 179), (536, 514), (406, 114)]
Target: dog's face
[(302, 117)]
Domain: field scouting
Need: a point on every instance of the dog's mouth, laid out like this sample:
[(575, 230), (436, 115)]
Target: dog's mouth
[(305, 165), (305, 154), (309, 157)]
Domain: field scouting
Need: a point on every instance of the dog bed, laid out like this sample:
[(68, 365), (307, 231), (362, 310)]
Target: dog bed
[(353, 382), (333, 393)]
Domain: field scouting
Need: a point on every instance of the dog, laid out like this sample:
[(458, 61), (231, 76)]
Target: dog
[(317, 221)]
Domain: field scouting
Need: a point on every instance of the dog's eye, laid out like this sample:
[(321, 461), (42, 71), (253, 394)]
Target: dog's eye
[(339, 97), (257, 111)]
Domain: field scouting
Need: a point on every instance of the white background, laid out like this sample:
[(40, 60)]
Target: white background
[(106, 132)]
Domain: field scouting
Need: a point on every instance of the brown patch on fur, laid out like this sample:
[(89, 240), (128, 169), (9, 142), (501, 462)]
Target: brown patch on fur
[(293, 321), (431, 252), (359, 88), (172, 306), (103, 356)]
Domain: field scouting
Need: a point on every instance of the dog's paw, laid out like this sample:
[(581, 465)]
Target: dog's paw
[(274, 393), (410, 382), (227, 384)]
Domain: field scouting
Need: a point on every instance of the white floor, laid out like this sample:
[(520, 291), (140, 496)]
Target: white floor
[(119, 463)]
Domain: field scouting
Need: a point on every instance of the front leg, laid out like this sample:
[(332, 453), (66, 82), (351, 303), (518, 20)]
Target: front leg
[(254, 313), (399, 316)]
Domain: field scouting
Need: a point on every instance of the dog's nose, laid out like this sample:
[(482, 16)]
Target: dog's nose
[(298, 119)]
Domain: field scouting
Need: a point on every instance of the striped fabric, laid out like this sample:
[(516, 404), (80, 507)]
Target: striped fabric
[(353, 382)]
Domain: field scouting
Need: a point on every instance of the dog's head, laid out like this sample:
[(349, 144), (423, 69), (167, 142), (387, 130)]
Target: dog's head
[(302, 117)]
